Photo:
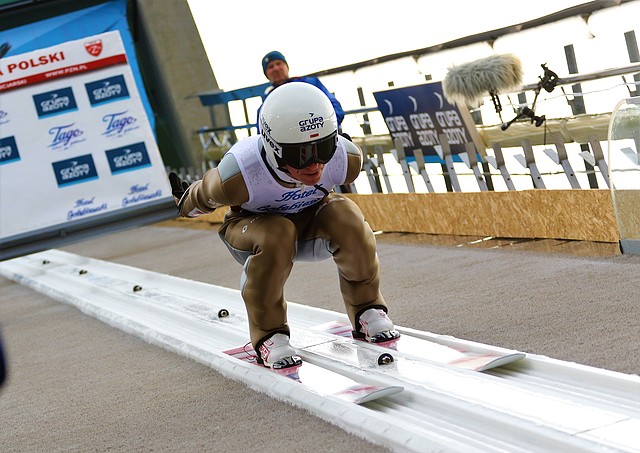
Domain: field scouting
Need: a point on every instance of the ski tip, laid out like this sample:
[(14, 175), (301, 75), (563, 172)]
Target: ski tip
[(381, 393), (504, 360)]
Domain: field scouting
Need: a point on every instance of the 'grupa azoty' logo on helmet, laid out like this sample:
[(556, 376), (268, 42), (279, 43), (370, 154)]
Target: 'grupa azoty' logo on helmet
[(265, 130), (311, 123)]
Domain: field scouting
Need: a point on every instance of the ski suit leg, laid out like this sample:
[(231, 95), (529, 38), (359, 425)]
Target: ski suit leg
[(266, 246), (353, 245)]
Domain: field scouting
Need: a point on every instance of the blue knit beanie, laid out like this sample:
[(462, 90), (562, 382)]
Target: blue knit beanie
[(272, 56)]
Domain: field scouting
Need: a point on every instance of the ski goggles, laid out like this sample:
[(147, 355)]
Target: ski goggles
[(301, 155)]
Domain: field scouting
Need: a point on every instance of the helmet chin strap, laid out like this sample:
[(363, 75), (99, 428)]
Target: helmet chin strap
[(286, 176), (277, 172)]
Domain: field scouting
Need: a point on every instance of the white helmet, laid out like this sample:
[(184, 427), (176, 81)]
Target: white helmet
[(298, 126)]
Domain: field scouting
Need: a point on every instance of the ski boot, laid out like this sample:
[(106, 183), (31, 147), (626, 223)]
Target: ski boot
[(376, 327), (274, 351)]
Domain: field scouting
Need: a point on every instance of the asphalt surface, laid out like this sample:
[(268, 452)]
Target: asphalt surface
[(76, 384)]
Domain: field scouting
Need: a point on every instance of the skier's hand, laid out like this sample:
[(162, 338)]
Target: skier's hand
[(179, 189), (187, 204)]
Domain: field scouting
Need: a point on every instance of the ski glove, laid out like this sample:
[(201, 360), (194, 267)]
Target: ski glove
[(179, 189)]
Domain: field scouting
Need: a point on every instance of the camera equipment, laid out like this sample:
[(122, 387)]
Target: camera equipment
[(548, 81)]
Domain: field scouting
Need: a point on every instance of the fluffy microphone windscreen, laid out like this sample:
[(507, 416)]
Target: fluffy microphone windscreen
[(468, 83)]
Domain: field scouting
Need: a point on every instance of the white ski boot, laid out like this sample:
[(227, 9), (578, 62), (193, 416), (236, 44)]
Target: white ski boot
[(276, 352), (376, 327)]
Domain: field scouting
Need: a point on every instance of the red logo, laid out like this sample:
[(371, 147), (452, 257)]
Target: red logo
[(93, 47)]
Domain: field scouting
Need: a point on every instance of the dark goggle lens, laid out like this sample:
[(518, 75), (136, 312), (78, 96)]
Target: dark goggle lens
[(302, 155)]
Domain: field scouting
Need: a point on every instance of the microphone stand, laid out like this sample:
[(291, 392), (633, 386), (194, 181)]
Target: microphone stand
[(548, 81)]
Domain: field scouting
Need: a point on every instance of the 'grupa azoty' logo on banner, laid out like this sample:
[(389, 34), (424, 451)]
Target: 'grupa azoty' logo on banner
[(107, 90), (75, 170), (8, 150), (128, 158), (55, 102)]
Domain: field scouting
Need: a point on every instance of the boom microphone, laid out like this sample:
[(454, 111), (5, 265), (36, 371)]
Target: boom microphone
[(468, 83)]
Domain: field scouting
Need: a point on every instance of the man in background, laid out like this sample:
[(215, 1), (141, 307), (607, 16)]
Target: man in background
[(276, 69)]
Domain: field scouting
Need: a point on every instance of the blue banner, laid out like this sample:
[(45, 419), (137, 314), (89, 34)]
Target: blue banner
[(417, 115)]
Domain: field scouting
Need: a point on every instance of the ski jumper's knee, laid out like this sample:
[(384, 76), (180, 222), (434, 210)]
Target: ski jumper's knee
[(355, 255)]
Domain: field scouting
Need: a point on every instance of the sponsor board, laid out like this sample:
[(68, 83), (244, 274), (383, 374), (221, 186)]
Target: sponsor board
[(75, 137), (419, 116)]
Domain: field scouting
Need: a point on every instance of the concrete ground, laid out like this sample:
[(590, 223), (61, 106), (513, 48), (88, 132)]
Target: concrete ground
[(76, 384)]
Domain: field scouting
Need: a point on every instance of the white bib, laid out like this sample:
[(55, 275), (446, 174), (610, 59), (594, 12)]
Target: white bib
[(267, 195)]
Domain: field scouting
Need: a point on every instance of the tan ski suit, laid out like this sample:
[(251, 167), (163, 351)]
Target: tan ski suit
[(272, 223)]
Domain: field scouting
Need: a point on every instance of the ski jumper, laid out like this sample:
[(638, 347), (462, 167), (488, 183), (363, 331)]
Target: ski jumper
[(273, 222)]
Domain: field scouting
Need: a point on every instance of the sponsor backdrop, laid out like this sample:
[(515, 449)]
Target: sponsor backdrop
[(75, 141)]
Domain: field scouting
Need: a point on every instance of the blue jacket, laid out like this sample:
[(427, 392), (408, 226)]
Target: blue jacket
[(315, 82)]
